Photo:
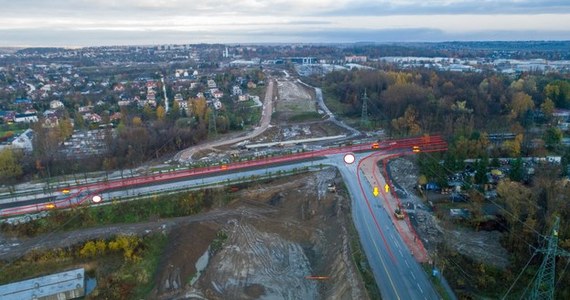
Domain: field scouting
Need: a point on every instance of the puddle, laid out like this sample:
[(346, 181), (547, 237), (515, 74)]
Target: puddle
[(201, 265)]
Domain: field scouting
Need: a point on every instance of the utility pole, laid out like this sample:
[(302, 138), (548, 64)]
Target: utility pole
[(544, 284), (364, 115)]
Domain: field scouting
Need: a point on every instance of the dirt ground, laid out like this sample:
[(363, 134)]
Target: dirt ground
[(293, 99), (482, 246), (277, 235), (301, 233)]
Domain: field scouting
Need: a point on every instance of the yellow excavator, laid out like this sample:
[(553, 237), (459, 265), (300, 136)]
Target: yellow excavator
[(398, 213)]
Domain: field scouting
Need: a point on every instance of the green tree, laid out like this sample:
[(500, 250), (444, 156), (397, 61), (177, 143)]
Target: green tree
[(481, 170), (547, 107), (10, 167), (79, 122), (516, 172), (174, 113), (552, 137)]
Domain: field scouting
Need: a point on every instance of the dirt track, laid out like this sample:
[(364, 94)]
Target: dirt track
[(301, 232), (186, 155)]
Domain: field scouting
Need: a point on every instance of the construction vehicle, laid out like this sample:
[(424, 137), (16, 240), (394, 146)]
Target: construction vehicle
[(398, 213), (331, 188)]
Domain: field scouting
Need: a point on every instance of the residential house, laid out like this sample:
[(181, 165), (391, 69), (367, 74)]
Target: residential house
[(8, 116), (178, 97), (251, 85), (218, 94), (151, 95), (56, 104), (24, 141), (119, 87), (26, 118), (85, 109), (23, 102), (116, 117), (236, 90), (211, 84), (93, 118), (124, 102), (243, 97)]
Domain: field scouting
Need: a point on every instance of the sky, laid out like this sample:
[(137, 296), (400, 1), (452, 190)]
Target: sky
[(71, 23)]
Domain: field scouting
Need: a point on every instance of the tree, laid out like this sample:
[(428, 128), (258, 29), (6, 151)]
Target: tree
[(552, 137), (160, 113), (481, 170), (520, 104), (200, 109), (137, 122), (10, 167), (79, 121), (175, 111), (65, 129), (547, 107), (88, 250), (516, 172), (407, 124)]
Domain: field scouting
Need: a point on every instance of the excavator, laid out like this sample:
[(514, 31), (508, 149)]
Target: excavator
[(398, 213)]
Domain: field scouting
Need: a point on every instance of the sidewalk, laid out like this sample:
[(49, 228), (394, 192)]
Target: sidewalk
[(390, 202)]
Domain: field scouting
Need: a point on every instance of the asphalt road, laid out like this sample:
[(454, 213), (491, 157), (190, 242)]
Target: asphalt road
[(396, 271)]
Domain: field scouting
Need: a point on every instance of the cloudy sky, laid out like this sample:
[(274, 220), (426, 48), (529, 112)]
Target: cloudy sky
[(124, 22)]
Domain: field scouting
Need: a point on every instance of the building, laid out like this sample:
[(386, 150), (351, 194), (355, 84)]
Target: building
[(56, 104), (355, 59), (61, 286), (24, 141), (236, 90), (26, 118), (212, 84)]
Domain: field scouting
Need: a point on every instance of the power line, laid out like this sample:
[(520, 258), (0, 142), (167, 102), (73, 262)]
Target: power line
[(518, 277)]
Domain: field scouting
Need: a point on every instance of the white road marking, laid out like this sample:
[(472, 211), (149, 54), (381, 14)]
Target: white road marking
[(420, 288)]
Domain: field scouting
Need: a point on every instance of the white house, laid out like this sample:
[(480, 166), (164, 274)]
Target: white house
[(24, 141), (236, 90), (55, 104), (26, 118)]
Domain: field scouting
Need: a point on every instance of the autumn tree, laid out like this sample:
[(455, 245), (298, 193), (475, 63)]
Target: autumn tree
[(200, 109), (160, 113), (407, 124), (520, 104), (516, 198)]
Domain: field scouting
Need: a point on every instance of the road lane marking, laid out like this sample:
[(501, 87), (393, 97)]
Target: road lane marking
[(407, 263), (419, 287), (381, 259), (413, 275)]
